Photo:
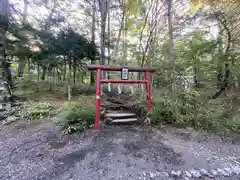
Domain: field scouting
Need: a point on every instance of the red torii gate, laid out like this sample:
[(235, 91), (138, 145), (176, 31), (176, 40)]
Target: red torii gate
[(124, 80)]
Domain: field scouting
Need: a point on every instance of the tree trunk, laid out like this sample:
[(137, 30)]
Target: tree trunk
[(29, 64), (220, 51), (8, 73), (219, 77), (74, 71), (224, 84), (108, 47), (115, 54), (70, 71), (171, 47), (82, 77), (25, 11), (109, 44), (21, 62), (69, 79), (92, 74), (103, 12), (65, 69), (103, 36), (227, 72), (55, 78), (4, 66), (5, 74), (20, 67), (195, 77), (124, 38), (44, 73), (38, 71), (59, 75), (50, 79)]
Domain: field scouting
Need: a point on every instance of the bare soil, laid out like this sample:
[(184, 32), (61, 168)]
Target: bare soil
[(38, 151)]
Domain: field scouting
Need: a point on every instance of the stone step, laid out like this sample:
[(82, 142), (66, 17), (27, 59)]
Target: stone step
[(4, 106), (124, 120), (118, 114)]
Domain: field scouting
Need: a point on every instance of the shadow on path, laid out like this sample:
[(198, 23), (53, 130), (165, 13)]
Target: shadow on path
[(39, 151)]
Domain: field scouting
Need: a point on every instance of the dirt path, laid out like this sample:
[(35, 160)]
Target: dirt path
[(37, 151)]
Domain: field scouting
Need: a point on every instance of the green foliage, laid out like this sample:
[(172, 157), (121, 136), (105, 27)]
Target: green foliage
[(162, 113), (218, 116), (51, 51), (197, 58), (27, 87), (84, 89), (34, 111), (190, 108), (75, 118), (74, 45), (55, 50), (25, 84)]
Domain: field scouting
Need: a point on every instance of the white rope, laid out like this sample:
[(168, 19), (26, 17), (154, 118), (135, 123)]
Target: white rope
[(109, 87), (101, 90), (119, 89), (142, 87), (132, 90), (142, 91)]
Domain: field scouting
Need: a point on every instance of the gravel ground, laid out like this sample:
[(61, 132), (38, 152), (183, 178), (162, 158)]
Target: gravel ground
[(38, 151)]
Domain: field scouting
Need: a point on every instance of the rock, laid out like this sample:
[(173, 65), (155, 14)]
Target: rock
[(236, 170), (152, 175), (189, 129), (195, 173), (228, 170), (188, 174), (214, 173), (3, 115), (176, 173), (39, 154), (9, 120), (204, 172), (221, 171), (163, 175)]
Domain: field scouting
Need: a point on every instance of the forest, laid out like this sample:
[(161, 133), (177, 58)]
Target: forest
[(193, 45)]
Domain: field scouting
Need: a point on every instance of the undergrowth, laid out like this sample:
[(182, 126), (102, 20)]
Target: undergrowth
[(32, 89), (75, 117), (190, 108), (35, 110), (194, 110)]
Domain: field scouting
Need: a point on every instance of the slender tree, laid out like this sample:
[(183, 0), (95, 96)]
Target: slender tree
[(4, 16), (93, 38), (171, 46), (21, 62), (5, 74), (103, 12)]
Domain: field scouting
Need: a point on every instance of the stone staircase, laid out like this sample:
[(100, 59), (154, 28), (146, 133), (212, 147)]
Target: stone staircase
[(116, 117)]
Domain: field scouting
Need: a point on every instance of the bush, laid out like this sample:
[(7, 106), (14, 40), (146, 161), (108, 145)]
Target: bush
[(84, 89), (34, 111), (190, 108), (162, 112), (217, 118), (27, 84), (75, 118)]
